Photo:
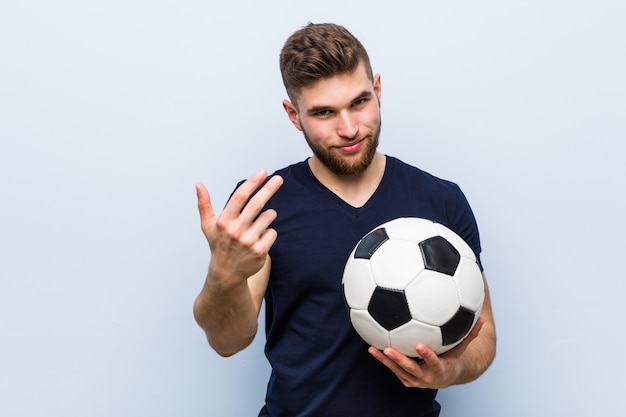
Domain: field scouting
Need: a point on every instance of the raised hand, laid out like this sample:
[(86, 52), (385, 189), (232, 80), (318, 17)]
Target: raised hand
[(240, 237)]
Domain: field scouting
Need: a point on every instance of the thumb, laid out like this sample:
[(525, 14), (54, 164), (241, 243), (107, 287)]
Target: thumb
[(204, 204)]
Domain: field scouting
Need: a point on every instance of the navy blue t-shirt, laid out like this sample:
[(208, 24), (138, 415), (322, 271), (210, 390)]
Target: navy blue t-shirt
[(320, 366)]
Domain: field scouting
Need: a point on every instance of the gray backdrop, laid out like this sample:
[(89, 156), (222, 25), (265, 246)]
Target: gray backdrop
[(110, 111)]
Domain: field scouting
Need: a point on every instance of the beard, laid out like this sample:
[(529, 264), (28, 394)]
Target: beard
[(338, 164)]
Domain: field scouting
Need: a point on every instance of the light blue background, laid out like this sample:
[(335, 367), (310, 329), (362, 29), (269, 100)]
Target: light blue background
[(110, 111)]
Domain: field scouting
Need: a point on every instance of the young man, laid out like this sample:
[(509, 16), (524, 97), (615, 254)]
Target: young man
[(286, 238)]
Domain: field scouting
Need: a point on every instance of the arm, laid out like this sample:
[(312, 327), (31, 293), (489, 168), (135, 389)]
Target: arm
[(460, 365), (228, 305), (228, 315)]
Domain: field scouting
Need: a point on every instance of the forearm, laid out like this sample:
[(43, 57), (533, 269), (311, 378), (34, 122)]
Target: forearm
[(227, 315), (478, 355), (481, 352)]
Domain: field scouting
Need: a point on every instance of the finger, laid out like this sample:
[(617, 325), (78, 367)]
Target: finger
[(267, 239), (410, 365), (430, 358), (394, 360), (409, 373), (260, 199), (204, 203), (242, 194), (384, 359), (263, 221), (258, 234)]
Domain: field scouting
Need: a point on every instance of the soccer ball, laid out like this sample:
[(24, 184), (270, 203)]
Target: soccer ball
[(412, 281)]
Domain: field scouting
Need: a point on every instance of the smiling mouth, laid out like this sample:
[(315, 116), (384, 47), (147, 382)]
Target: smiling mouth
[(352, 147)]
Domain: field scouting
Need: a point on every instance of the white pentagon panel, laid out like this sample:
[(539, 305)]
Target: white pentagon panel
[(410, 228), (406, 337), (460, 245), (358, 283), (470, 282), (368, 329), (433, 298), (396, 263)]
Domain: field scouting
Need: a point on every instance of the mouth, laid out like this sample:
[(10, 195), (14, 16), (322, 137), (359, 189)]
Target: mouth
[(352, 147)]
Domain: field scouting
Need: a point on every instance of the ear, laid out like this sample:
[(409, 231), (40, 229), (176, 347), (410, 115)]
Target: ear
[(292, 113), (377, 87)]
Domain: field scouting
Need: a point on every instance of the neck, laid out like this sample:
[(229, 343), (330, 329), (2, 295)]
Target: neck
[(355, 189)]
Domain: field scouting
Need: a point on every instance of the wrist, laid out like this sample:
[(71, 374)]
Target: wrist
[(223, 279)]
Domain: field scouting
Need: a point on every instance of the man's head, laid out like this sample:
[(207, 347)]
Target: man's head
[(334, 97), (319, 51)]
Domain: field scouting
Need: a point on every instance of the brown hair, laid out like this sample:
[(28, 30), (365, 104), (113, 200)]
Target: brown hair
[(319, 51)]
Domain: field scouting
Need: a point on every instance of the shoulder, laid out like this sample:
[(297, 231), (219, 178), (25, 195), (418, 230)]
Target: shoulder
[(299, 188), (290, 170), (432, 197), (296, 177), (288, 173), (416, 177)]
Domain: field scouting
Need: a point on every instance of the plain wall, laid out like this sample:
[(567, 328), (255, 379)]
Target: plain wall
[(111, 111)]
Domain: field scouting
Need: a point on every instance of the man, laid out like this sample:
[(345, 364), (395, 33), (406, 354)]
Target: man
[(285, 238)]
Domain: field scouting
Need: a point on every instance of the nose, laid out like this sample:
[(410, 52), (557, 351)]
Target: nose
[(347, 126)]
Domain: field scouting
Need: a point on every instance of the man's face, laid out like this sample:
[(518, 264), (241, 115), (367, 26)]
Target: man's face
[(340, 119)]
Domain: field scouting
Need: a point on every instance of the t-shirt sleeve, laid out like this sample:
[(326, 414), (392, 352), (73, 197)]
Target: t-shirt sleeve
[(464, 224)]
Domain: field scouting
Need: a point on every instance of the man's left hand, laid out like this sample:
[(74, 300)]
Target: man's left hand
[(432, 371)]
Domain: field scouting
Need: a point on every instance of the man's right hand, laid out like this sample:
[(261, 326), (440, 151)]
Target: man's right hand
[(240, 237)]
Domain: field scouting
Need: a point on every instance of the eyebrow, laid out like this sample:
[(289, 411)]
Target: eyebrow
[(362, 95)]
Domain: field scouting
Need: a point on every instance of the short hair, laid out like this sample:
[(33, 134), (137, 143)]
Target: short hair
[(319, 51)]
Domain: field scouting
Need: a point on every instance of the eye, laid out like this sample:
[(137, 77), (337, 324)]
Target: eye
[(322, 113), (359, 102)]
